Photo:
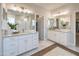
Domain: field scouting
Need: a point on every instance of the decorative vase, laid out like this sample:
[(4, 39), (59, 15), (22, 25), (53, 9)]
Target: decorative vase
[(13, 30)]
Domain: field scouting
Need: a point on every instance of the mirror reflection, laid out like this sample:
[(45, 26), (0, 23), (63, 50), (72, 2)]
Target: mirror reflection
[(19, 21), (59, 23)]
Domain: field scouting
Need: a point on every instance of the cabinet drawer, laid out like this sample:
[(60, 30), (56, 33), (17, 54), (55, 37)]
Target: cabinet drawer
[(22, 45), (35, 35)]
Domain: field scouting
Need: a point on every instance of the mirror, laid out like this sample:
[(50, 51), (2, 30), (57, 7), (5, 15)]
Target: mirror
[(24, 21), (50, 24), (59, 23), (64, 23), (20, 21)]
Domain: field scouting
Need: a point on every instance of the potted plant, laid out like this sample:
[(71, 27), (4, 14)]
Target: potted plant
[(12, 26), (64, 24)]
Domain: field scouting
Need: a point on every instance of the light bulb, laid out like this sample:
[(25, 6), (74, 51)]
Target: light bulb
[(25, 19)]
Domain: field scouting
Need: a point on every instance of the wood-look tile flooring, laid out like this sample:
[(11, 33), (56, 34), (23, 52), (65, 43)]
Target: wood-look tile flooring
[(56, 50)]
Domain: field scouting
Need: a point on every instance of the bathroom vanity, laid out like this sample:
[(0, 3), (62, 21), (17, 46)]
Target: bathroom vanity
[(24, 24), (60, 36), (19, 43)]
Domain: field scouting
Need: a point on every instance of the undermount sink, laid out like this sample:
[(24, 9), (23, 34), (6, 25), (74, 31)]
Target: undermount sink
[(15, 32)]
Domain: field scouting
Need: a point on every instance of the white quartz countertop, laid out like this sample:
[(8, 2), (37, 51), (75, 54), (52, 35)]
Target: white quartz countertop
[(61, 30), (18, 34)]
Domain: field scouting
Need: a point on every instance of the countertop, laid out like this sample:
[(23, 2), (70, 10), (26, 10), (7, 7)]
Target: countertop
[(18, 34), (61, 30)]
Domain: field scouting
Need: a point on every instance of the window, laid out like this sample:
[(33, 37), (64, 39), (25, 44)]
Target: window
[(11, 19)]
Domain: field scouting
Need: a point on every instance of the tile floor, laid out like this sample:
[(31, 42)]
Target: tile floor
[(74, 48), (59, 52), (42, 45)]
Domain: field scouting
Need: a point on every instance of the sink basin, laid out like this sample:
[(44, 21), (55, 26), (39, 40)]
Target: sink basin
[(16, 32)]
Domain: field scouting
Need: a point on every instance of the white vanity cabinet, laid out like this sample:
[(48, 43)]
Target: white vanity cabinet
[(19, 44), (28, 42), (59, 37), (22, 43), (63, 38), (10, 45), (35, 40), (51, 35), (0, 46)]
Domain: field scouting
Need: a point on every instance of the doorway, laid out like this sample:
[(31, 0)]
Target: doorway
[(77, 28)]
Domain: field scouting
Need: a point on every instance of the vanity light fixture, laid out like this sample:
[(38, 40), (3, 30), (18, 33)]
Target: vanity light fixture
[(13, 8), (24, 10), (62, 13), (27, 11), (25, 19), (20, 9)]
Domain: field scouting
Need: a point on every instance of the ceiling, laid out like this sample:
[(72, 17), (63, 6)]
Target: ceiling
[(50, 6)]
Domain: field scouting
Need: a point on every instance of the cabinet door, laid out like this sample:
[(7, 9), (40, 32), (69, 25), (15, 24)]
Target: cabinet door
[(35, 41), (9, 46), (51, 35), (63, 38), (29, 42), (54, 36), (25, 43), (0, 46), (22, 44)]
